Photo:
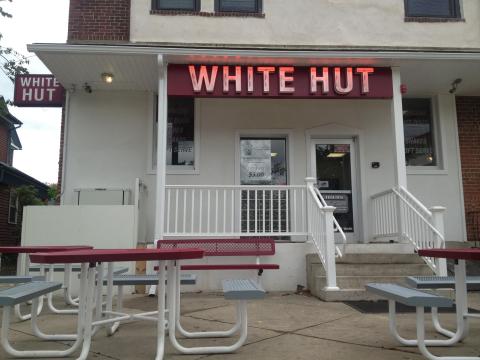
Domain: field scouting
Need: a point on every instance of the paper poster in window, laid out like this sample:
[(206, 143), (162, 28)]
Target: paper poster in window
[(255, 161)]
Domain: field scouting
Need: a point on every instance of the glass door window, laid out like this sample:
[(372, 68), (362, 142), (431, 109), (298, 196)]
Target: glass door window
[(333, 162), (263, 161)]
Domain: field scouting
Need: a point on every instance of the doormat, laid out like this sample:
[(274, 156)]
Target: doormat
[(381, 307)]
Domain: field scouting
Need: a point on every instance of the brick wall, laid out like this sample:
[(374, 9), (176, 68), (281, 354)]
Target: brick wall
[(4, 143), (99, 20), (468, 115)]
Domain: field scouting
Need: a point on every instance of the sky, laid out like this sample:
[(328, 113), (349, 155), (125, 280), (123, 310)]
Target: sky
[(35, 21)]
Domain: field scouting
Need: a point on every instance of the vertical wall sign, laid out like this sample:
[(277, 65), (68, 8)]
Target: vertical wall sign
[(38, 91)]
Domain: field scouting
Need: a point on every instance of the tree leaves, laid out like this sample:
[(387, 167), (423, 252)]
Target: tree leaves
[(12, 63)]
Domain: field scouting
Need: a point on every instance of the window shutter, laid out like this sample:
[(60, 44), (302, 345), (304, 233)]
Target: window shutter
[(176, 5), (239, 5), (432, 8)]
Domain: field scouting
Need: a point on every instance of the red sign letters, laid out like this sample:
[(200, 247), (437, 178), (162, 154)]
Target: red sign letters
[(38, 91), (279, 81)]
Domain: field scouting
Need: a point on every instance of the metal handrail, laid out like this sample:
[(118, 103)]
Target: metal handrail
[(420, 215), (415, 200), (335, 222)]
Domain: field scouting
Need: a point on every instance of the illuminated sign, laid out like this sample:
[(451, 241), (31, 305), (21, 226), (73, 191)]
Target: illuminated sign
[(279, 81), (38, 91)]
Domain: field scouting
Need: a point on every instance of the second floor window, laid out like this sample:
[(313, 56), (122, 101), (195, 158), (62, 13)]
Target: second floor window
[(432, 8), (185, 5), (248, 6)]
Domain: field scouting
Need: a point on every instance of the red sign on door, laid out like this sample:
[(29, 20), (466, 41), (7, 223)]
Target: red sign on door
[(38, 91)]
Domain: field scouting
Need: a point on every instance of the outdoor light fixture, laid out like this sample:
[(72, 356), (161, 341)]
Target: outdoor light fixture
[(107, 78), (274, 154), (455, 84), (87, 88)]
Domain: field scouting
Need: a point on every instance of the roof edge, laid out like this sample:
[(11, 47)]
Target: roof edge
[(170, 49)]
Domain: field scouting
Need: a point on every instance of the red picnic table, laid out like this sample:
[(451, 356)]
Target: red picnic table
[(92, 267)]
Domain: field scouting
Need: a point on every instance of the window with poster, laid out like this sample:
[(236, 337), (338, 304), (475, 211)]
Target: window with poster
[(418, 127), (263, 161), (181, 134)]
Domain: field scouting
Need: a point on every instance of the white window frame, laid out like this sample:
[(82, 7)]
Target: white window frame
[(438, 141), (264, 133), (152, 136), (13, 191)]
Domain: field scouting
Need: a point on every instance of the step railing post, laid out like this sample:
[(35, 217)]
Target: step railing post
[(438, 213), (330, 266), (310, 183), (400, 217)]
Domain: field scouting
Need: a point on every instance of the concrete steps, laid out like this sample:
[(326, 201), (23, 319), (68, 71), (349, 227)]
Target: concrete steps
[(357, 269)]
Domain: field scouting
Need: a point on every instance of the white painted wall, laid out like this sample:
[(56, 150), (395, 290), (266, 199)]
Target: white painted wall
[(443, 187), (344, 23), (109, 139), (106, 227), (106, 140)]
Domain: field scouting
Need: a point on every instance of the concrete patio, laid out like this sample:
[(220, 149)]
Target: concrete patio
[(283, 326)]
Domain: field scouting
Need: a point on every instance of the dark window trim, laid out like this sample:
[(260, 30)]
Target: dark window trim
[(197, 4), (455, 12), (258, 10)]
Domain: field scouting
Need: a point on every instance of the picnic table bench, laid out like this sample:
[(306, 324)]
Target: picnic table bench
[(441, 282), (418, 299)]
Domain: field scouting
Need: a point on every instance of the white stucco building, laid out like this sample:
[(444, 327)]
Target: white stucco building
[(247, 99)]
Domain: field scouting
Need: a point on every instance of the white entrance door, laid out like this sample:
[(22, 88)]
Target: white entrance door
[(333, 165)]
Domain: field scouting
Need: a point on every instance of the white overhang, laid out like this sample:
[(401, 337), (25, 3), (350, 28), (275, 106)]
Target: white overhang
[(135, 66)]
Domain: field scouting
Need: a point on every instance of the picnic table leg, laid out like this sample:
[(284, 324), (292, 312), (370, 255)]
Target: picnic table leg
[(438, 327), (88, 301), (44, 353), (161, 311), (392, 323), (25, 271), (109, 307), (50, 305), (422, 343), (461, 298), (201, 334), (172, 314), (67, 291)]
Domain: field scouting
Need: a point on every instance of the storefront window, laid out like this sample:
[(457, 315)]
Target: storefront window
[(263, 161), (180, 133), (181, 119), (418, 130)]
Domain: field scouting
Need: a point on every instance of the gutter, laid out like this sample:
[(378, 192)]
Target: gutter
[(233, 52)]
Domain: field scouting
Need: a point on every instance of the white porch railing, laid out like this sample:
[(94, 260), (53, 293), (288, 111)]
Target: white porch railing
[(321, 231), (235, 210), (397, 213)]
